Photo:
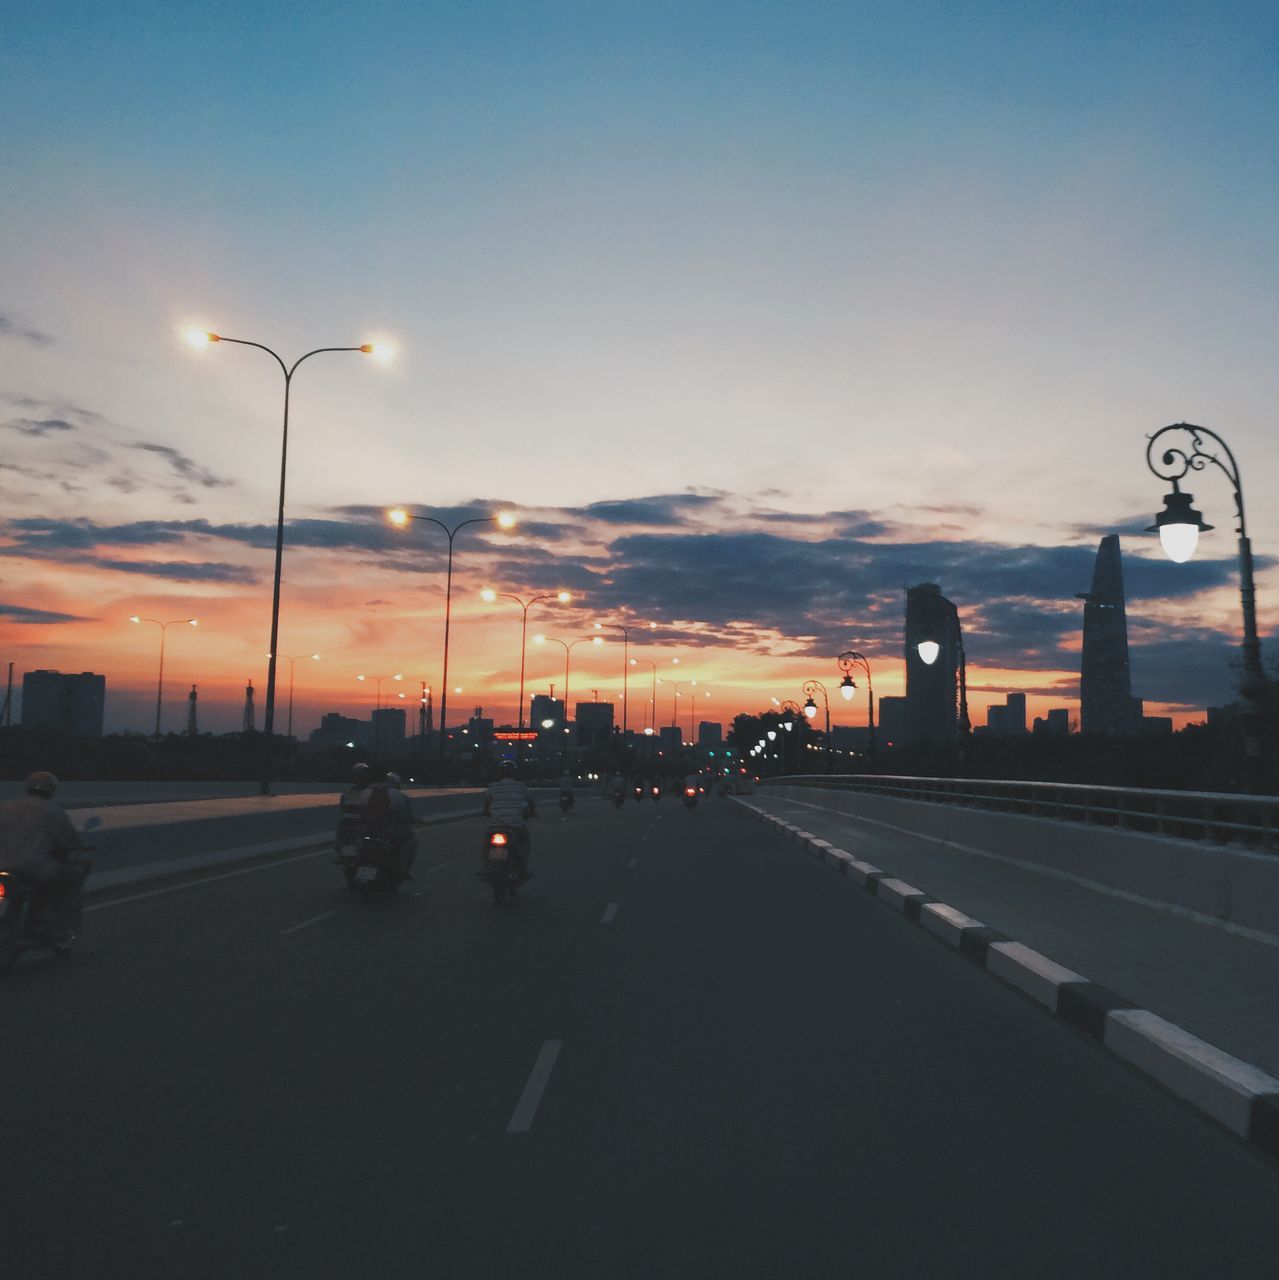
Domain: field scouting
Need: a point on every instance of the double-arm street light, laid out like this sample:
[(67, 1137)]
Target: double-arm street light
[(626, 629), (653, 697), (1179, 526), (810, 709), (400, 518), (201, 338), (159, 686), (677, 685), (568, 647), (849, 661), (930, 647), (377, 680), (692, 710), (315, 657), (489, 595)]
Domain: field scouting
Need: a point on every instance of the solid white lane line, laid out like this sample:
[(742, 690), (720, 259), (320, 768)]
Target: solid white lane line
[(324, 915), (526, 1108), (193, 884), (632, 862), (609, 912), (439, 868)]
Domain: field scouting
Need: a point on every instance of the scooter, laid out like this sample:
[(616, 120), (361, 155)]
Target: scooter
[(566, 801), (657, 792), (26, 923), (369, 867), (690, 797), (639, 793), (502, 867), (619, 798)]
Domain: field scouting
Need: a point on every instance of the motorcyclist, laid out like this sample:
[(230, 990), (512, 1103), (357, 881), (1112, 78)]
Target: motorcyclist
[(617, 785), (399, 833), (508, 802), (693, 780), (566, 786), (351, 807), (36, 836)]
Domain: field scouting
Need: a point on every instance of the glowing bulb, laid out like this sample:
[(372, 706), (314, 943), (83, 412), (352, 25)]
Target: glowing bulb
[(488, 595), (1179, 541), (135, 618), (201, 338), (505, 520), (380, 351), (398, 517), (597, 639), (539, 639), (564, 597), (928, 651)]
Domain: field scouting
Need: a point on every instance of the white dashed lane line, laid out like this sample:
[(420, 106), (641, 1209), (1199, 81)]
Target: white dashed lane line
[(324, 915), (522, 1118), (632, 862), (609, 912)]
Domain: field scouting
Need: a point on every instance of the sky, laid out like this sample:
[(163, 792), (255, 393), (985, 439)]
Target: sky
[(754, 314)]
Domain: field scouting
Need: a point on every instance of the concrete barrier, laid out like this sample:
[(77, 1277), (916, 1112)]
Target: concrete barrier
[(1226, 883)]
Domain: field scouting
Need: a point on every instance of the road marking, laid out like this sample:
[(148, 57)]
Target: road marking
[(194, 884), (526, 1108), (324, 915), (632, 862), (609, 912), (439, 868)]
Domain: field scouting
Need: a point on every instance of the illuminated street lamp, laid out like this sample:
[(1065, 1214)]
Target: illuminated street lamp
[(810, 710), (401, 518), (489, 596), (201, 339), (568, 647), (692, 709), (678, 685), (159, 686), (315, 657), (1179, 526), (626, 629), (848, 662), (377, 680)]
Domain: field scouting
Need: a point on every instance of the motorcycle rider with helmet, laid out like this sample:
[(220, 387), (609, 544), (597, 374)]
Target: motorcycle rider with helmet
[(36, 837), (351, 806), (399, 832), (507, 801)]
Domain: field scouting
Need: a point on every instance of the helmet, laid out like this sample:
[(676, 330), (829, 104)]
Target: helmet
[(392, 779), (507, 769), (41, 784), (360, 773)]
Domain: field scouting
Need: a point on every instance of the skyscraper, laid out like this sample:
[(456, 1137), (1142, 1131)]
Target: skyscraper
[(932, 690), (73, 703), (1106, 704)]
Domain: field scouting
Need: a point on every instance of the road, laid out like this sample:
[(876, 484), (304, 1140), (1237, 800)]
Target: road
[(686, 1050)]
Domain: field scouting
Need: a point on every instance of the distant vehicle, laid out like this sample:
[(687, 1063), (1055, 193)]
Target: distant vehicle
[(502, 865), (690, 797)]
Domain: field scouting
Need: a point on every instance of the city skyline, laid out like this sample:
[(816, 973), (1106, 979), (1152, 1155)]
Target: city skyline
[(754, 318)]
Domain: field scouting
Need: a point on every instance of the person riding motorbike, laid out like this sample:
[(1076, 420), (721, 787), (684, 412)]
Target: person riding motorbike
[(399, 832), (617, 785), (351, 806), (36, 836), (508, 802), (566, 788)]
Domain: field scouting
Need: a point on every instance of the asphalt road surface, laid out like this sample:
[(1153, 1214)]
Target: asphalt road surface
[(686, 1050)]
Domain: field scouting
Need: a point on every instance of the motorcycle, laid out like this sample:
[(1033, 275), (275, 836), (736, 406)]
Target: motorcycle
[(690, 797), (502, 866), (26, 922), (369, 867), (639, 793), (657, 792), (566, 801), (619, 798)]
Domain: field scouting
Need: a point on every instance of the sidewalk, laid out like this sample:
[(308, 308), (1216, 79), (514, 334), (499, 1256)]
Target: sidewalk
[(1218, 985)]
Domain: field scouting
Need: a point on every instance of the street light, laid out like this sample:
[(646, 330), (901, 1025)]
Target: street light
[(377, 680), (164, 627), (489, 595), (929, 648), (568, 648), (315, 657), (1179, 526), (810, 710), (678, 684), (625, 629), (848, 662), (692, 710), (380, 351), (401, 518)]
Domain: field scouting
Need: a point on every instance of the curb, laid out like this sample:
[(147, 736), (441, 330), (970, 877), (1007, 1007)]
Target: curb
[(146, 873), (1230, 1091)]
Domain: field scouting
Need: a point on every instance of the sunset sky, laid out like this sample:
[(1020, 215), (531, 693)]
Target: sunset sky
[(753, 313)]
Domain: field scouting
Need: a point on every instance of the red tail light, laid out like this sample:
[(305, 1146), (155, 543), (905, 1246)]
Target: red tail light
[(4, 888), (690, 791), (497, 838)]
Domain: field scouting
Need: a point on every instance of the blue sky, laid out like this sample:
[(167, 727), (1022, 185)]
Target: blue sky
[(943, 263)]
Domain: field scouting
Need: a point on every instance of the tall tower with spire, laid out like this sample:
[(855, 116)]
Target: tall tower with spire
[(247, 726), (1106, 705), (193, 728)]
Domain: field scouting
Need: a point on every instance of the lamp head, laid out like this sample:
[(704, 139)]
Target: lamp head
[(135, 618), (380, 351), (398, 517), (505, 520), (810, 708), (597, 639), (1179, 525), (564, 597), (928, 651), (488, 595), (846, 687), (200, 338), (193, 622), (539, 639)]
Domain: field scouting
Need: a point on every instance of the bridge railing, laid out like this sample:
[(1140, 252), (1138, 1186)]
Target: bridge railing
[(1221, 817)]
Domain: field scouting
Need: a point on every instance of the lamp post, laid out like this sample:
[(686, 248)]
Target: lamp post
[(810, 709), (568, 647), (490, 596), (202, 338), (1179, 526), (164, 627), (625, 629), (400, 518), (678, 685), (315, 657), (653, 698), (692, 711), (930, 648), (377, 680), (848, 662)]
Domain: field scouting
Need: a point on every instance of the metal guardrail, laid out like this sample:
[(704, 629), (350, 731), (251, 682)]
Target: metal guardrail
[(1221, 817)]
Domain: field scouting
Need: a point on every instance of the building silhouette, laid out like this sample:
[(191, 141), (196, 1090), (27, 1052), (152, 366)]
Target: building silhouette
[(387, 730), (72, 703), (1106, 706), (710, 734), (193, 718), (246, 725), (1009, 718), (594, 724), (932, 690)]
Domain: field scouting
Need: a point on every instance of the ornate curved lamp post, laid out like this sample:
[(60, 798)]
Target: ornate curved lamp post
[(525, 605), (810, 709), (1179, 526), (849, 661), (400, 518), (201, 338)]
